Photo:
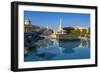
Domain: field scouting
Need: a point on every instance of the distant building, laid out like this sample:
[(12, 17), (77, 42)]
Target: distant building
[(27, 25), (61, 34)]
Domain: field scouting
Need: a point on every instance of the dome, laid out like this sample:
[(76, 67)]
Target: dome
[(27, 22)]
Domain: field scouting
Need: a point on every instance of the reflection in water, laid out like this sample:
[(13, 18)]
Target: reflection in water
[(52, 49)]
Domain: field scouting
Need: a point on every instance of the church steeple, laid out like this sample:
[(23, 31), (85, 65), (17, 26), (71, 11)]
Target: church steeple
[(60, 25), (60, 28)]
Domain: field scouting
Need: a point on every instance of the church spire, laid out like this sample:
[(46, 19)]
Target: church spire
[(60, 24)]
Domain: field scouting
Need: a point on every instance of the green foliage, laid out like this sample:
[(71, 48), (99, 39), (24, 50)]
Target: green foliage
[(35, 27), (68, 29), (81, 32), (88, 31), (76, 32)]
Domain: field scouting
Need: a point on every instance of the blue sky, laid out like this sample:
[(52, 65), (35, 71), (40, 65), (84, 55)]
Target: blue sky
[(52, 19)]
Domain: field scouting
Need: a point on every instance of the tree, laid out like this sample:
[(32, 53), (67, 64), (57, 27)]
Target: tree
[(35, 27), (84, 32), (76, 32), (68, 29), (88, 31)]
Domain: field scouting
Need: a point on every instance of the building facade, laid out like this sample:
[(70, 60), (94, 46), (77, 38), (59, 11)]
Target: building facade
[(27, 26)]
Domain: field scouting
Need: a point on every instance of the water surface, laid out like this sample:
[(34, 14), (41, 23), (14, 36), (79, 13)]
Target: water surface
[(52, 49)]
